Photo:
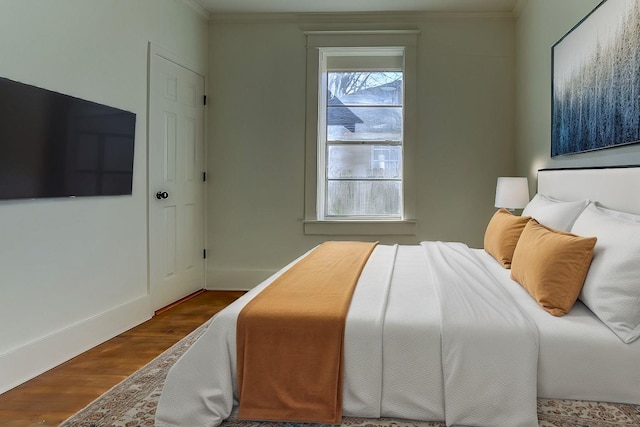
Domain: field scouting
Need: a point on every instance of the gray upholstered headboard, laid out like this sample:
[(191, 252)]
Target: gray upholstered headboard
[(613, 187)]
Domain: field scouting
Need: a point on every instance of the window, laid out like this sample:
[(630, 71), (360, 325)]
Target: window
[(359, 133)]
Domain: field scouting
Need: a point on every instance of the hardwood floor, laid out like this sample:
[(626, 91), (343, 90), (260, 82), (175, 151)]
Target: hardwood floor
[(52, 397)]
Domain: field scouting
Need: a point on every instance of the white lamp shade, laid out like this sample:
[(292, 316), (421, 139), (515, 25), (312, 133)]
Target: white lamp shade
[(512, 192)]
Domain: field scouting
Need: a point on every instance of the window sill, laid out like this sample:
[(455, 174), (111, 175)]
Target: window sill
[(357, 228)]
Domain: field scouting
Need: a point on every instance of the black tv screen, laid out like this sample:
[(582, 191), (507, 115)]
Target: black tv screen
[(55, 145)]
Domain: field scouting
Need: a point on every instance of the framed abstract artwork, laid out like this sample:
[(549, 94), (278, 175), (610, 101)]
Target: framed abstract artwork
[(596, 81)]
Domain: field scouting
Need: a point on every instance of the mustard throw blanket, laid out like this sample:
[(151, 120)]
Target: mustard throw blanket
[(290, 338)]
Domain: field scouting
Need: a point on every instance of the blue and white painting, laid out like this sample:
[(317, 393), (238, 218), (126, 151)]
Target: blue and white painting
[(596, 81)]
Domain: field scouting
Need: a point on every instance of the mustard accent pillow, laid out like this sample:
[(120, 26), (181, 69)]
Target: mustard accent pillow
[(552, 265), (502, 234)]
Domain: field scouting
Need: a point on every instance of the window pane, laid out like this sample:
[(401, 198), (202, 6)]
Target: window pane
[(364, 123), (364, 161), (366, 198), (365, 87)]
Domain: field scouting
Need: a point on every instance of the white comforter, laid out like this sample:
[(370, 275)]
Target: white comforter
[(429, 336)]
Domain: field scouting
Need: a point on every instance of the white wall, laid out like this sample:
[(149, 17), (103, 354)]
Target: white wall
[(73, 272), (466, 85), (541, 24)]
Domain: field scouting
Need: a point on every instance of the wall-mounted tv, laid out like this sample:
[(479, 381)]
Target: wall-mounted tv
[(55, 145)]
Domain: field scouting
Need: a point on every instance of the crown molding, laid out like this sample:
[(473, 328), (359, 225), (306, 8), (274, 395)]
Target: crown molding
[(356, 17), (519, 7), (199, 9)]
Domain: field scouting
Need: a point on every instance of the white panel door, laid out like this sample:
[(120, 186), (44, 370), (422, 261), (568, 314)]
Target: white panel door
[(176, 187)]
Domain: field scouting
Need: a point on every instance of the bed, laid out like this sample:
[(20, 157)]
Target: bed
[(421, 343)]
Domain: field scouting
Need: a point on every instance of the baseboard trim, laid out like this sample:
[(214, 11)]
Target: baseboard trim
[(30, 360)]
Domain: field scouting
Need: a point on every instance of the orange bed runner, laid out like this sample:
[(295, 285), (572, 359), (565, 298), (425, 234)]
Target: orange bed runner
[(290, 338)]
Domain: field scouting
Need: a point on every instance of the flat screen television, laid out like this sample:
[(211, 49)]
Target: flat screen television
[(55, 145)]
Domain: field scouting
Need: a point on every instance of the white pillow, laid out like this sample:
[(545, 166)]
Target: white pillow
[(619, 214), (554, 213), (612, 287)]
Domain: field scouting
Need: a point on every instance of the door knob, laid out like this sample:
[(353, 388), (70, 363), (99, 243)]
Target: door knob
[(162, 195)]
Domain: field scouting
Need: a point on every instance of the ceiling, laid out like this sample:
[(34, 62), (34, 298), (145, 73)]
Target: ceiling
[(327, 6)]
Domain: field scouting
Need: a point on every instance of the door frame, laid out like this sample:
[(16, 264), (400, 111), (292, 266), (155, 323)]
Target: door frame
[(152, 50)]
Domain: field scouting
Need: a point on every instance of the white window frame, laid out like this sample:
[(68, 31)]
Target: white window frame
[(314, 222)]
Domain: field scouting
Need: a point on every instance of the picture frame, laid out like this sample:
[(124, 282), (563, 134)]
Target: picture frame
[(596, 81)]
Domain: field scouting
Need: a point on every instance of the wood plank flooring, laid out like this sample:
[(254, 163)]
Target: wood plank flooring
[(52, 397)]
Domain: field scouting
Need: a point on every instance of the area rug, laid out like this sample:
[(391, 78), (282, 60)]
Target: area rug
[(132, 403)]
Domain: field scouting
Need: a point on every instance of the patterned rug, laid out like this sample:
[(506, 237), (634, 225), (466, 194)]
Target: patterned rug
[(132, 403)]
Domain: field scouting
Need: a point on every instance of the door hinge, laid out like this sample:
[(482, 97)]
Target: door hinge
[(204, 100), (204, 253), (204, 176)]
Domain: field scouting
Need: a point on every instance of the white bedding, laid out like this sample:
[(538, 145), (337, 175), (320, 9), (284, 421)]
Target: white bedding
[(393, 358), (580, 357), (404, 307), (200, 389), (489, 344)]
